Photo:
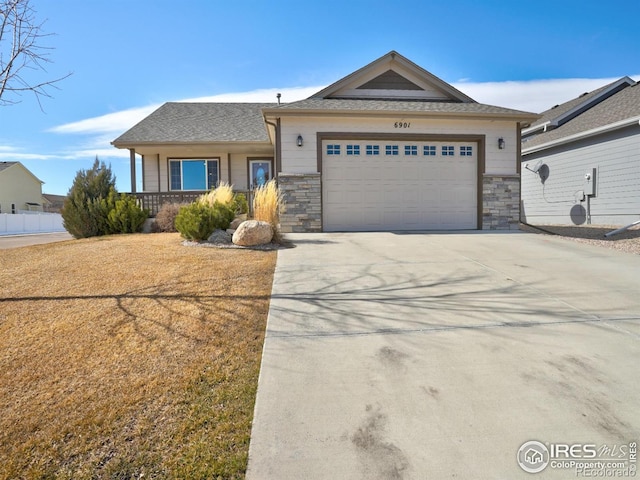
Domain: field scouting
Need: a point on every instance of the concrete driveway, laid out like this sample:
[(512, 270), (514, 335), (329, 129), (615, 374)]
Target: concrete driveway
[(15, 241), (415, 356)]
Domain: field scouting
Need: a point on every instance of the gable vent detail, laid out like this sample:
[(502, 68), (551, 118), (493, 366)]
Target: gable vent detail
[(389, 80)]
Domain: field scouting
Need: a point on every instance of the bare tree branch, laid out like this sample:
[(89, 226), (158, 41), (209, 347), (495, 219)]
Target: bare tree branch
[(22, 50)]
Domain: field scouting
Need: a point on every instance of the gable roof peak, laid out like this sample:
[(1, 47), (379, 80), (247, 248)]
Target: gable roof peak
[(5, 165), (393, 77)]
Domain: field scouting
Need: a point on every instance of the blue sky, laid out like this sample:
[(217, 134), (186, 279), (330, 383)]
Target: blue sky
[(129, 56)]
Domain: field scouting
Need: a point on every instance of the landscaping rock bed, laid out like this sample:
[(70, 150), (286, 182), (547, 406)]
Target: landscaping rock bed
[(628, 241)]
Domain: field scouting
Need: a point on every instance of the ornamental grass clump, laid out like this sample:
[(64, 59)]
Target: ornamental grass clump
[(223, 194), (267, 206)]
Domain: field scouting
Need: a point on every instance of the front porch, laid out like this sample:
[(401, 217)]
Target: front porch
[(153, 201)]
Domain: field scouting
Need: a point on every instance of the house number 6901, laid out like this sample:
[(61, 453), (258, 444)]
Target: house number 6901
[(402, 125)]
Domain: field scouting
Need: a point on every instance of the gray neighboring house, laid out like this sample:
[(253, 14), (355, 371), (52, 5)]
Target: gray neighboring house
[(388, 147), (581, 160)]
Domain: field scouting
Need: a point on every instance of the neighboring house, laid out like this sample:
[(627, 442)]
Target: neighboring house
[(389, 147), (20, 190), (55, 202), (581, 160)]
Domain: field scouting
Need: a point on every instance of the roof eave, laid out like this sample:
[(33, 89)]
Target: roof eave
[(128, 145), (586, 134), (303, 112), (536, 128)]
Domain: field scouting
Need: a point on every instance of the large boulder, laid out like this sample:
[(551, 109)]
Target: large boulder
[(253, 232)]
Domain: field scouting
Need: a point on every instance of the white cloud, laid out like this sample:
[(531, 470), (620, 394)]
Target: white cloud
[(268, 95), (14, 156), (109, 123), (118, 122), (533, 95)]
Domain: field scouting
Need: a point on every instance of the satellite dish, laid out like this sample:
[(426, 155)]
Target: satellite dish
[(535, 168)]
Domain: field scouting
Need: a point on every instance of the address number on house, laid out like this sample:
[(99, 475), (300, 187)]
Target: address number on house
[(402, 125)]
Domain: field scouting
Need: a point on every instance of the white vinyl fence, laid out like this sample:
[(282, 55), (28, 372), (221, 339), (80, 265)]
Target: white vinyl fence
[(33, 222)]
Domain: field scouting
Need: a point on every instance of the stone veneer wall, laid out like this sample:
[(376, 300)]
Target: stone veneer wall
[(302, 198), (500, 202)]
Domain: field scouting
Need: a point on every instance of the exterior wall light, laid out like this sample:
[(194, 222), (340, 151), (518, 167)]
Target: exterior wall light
[(299, 141), (501, 143)]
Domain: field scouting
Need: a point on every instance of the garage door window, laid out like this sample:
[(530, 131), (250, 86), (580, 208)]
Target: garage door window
[(466, 151), (411, 150), (448, 150), (373, 149), (391, 150), (353, 149), (430, 150), (333, 149)]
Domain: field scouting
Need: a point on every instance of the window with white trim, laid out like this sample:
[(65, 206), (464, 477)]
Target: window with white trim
[(373, 149), (353, 149), (466, 151), (391, 150), (448, 150), (411, 150), (333, 149), (193, 174)]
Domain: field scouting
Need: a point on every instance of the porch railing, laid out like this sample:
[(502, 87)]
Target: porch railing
[(153, 201)]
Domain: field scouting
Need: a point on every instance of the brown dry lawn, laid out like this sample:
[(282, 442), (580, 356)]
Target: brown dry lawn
[(129, 357)]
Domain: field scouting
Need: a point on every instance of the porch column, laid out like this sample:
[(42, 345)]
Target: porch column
[(132, 160)]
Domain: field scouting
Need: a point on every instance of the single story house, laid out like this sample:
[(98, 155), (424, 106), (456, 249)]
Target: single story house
[(20, 190), (581, 160), (389, 147)]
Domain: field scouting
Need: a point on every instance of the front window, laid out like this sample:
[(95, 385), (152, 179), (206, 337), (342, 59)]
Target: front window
[(193, 174)]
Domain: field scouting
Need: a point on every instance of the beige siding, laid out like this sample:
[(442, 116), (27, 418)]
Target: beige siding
[(304, 159), (150, 168), (18, 186), (239, 171)]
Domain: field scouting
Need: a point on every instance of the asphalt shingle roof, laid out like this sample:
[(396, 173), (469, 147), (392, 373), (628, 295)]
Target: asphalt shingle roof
[(559, 110), (199, 123), (5, 165), (621, 106)]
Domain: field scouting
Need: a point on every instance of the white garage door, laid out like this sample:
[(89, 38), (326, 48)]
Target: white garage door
[(377, 186)]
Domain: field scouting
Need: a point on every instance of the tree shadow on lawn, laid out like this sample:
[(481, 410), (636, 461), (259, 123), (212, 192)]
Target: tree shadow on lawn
[(159, 307)]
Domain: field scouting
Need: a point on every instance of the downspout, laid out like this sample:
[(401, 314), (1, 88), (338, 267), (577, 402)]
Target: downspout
[(276, 127), (623, 229)]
